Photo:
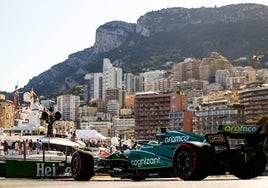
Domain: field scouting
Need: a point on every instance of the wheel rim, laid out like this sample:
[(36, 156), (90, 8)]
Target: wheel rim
[(75, 165), (184, 161)]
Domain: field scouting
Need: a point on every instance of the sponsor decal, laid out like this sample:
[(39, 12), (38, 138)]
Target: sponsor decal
[(216, 138), (239, 129), (145, 161), (220, 148), (51, 171), (153, 175), (176, 139)]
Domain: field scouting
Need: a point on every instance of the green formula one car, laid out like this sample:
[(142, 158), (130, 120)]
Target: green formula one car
[(180, 154)]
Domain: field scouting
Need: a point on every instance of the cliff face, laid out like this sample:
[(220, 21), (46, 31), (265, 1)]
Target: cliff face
[(162, 36), (111, 35), (178, 18)]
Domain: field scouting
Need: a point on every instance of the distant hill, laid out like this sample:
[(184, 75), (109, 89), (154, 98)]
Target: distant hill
[(167, 35)]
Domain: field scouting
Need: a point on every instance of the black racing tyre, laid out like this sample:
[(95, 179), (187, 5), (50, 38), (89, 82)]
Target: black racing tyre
[(249, 165), (189, 162), (82, 166)]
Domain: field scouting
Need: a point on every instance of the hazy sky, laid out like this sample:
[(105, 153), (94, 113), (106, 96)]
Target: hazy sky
[(37, 34)]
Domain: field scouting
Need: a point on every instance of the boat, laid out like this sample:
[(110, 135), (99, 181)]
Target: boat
[(51, 163), (48, 155), (35, 123)]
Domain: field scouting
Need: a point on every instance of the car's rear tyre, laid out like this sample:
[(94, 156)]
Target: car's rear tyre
[(189, 162), (249, 165), (82, 166)]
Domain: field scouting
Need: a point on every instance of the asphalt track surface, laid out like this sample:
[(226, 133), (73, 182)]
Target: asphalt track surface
[(108, 182)]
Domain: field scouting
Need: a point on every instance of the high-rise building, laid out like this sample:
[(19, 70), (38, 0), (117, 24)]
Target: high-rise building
[(214, 113), (234, 83), (254, 100), (150, 77), (68, 105), (164, 85), (221, 77), (112, 77), (188, 69), (155, 110), (115, 94), (209, 66), (113, 107), (133, 83), (93, 86)]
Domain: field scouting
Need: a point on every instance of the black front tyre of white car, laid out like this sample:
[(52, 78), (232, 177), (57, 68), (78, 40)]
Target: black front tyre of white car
[(82, 166)]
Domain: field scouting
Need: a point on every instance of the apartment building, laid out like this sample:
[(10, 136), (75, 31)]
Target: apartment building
[(150, 77), (115, 94), (254, 99), (112, 77), (164, 84), (113, 107), (92, 86), (210, 65), (191, 85), (214, 113), (188, 69), (155, 110), (68, 105), (132, 83), (221, 77)]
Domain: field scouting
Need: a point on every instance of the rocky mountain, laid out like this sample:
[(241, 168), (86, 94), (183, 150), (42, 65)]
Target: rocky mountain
[(158, 37)]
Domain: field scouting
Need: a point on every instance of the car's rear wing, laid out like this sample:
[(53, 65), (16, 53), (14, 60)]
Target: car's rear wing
[(251, 133), (239, 131)]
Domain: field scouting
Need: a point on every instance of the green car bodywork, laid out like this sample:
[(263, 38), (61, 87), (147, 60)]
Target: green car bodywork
[(181, 154), (156, 155)]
